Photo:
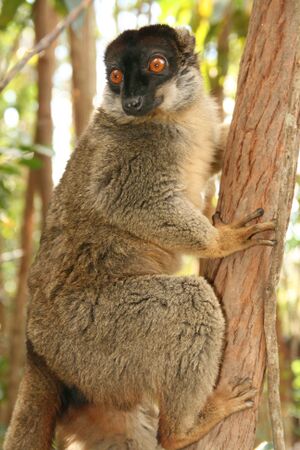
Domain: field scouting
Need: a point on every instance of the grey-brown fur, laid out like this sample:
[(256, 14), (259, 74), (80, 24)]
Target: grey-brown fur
[(106, 314)]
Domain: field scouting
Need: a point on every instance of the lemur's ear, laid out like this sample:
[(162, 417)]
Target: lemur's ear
[(186, 39)]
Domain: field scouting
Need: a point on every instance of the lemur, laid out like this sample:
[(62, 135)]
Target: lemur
[(111, 329)]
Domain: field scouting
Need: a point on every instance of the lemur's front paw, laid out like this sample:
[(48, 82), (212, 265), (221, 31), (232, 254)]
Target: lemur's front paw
[(236, 395), (237, 235)]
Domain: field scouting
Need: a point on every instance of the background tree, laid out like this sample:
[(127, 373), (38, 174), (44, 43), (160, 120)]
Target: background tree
[(39, 180), (83, 59), (39, 177)]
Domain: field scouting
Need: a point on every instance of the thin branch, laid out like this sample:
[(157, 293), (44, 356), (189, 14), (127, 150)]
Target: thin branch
[(44, 43), (270, 310)]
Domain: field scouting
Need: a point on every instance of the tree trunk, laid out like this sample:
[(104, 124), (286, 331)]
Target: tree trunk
[(17, 319), (83, 58), (45, 20), (38, 180), (259, 171)]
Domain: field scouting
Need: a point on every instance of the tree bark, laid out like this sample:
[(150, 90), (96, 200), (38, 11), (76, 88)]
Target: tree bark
[(39, 180), (83, 58), (259, 171), (45, 20), (17, 319)]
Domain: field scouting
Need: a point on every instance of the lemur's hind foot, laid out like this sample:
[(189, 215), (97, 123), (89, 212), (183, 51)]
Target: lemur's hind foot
[(227, 399)]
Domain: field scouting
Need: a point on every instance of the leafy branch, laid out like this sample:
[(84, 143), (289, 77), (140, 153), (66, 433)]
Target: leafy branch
[(44, 43)]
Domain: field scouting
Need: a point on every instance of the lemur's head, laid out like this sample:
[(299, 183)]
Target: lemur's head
[(154, 68)]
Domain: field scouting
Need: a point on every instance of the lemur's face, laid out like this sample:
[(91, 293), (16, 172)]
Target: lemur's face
[(154, 67)]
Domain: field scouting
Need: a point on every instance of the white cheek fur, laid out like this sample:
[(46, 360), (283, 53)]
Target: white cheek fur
[(180, 91), (112, 103)]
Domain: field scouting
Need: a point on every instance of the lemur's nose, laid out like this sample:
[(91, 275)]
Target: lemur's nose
[(133, 104)]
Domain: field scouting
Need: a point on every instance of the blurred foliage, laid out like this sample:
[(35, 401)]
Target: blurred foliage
[(18, 106), (63, 7), (296, 394), (8, 11), (220, 27)]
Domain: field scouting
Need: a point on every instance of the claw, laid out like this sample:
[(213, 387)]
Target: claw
[(243, 386), (241, 381), (249, 403), (257, 213), (216, 219), (269, 242), (238, 393), (259, 228), (260, 212)]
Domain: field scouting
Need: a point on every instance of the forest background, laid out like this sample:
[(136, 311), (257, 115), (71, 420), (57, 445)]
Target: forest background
[(44, 109)]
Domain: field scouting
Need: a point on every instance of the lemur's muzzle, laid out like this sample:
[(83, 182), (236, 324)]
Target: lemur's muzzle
[(133, 105)]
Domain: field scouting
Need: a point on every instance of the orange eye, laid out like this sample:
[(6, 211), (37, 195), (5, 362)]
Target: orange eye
[(116, 76), (157, 64)]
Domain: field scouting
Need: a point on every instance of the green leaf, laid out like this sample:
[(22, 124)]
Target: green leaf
[(240, 22), (8, 11), (3, 189), (37, 148), (43, 150), (25, 147), (9, 169), (3, 364), (60, 6), (32, 163), (296, 367)]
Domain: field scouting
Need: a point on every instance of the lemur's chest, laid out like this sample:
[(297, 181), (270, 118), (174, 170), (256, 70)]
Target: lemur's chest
[(195, 167)]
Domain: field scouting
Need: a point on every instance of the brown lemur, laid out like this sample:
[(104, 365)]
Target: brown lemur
[(108, 320)]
